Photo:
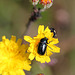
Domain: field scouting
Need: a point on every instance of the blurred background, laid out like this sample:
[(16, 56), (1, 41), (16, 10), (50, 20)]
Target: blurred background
[(14, 16)]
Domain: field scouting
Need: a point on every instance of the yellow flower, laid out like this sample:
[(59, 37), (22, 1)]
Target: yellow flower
[(13, 59), (33, 49)]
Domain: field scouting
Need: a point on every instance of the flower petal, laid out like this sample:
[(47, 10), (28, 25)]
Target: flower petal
[(48, 33), (40, 29), (31, 56), (48, 52), (40, 59), (30, 49), (12, 73), (40, 36), (54, 48), (47, 30), (19, 41), (47, 59), (3, 37), (27, 66), (28, 39), (54, 41), (5, 73), (2, 67), (13, 38), (20, 72)]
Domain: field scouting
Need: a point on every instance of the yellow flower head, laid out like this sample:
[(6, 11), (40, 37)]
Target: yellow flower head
[(13, 58), (33, 49)]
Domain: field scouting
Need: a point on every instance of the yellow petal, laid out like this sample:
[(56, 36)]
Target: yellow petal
[(47, 30), (37, 58), (39, 36), (42, 60), (22, 46), (54, 48), (20, 72), (48, 33), (30, 49), (40, 29), (19, 41), (3, 38), (47, 59), (2, 67), (13, 38), (48, 52), (23, 49), (54, 41), (29, 62), (27, 67), (5, 73), (31, 56), (28, 39), (12, 73)]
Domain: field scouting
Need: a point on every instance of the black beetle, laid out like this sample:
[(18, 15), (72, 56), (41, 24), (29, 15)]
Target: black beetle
[(42, 46)]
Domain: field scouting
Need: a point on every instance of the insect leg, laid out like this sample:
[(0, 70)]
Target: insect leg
[(50, 47)]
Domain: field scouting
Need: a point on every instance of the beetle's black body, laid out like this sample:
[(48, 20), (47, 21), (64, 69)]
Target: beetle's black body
[(42, 46), (54, 32)]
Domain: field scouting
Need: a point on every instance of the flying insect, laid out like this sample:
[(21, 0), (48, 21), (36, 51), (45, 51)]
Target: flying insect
[(54, 32)]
